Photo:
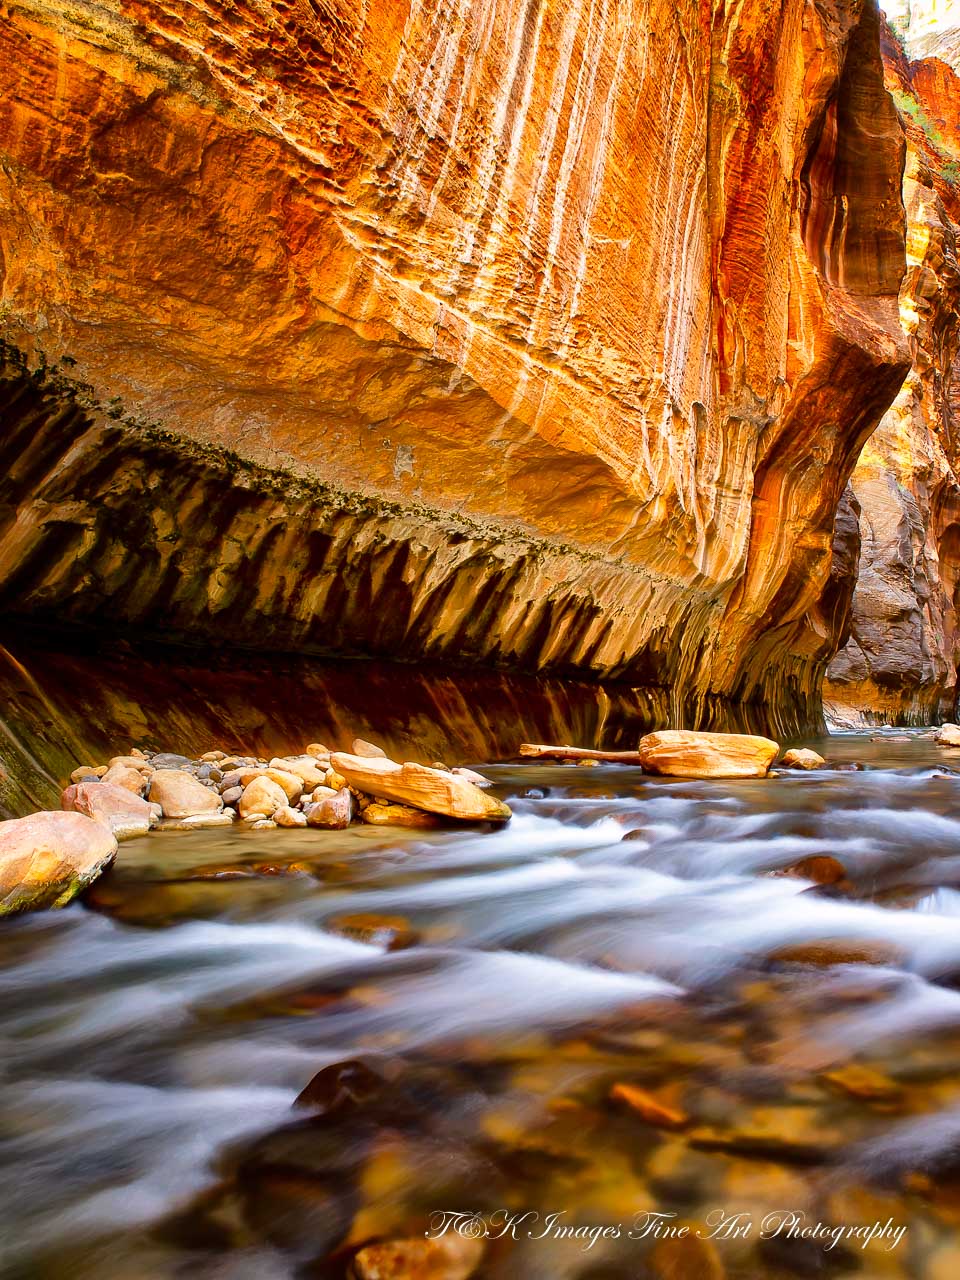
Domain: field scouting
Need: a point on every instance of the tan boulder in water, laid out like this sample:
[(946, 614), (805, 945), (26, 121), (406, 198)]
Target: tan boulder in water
[(47, 858), (687, 753), (180, 795), (122, 812), (420, 786), (802, 758), (948, 736)]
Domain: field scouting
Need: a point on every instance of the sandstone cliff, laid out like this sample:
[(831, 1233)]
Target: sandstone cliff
[(534, 336), (901, 659)]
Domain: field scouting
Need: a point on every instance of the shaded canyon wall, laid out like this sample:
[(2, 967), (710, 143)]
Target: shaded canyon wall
[(900, 662), (488, 333)]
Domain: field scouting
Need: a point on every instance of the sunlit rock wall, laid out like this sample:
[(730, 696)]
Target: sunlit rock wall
[(491, 332), (901, 659)]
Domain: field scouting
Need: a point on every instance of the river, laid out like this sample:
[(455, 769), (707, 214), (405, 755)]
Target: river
[(492, 991)]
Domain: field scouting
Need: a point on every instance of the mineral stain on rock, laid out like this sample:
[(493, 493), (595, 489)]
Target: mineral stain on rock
[(624, 307)]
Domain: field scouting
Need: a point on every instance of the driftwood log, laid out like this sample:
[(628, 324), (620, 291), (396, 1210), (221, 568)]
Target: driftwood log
[(538, 751)]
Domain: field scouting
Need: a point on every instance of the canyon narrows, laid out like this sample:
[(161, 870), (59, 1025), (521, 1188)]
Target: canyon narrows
[(530, 338)]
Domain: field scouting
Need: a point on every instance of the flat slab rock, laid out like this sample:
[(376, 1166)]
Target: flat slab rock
[(433, 790), (688, 753), (47, 858)]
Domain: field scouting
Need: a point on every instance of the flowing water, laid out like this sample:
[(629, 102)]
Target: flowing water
[(487, 993)]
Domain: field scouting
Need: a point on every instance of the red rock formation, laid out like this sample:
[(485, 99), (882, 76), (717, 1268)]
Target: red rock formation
[(537, 336), (901, 659)]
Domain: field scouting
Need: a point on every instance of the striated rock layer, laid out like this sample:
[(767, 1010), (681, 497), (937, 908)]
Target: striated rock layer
[(901, 659), (488, 332)]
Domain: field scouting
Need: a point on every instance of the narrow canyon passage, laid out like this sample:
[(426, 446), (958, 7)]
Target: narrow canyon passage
[(551, 1017)]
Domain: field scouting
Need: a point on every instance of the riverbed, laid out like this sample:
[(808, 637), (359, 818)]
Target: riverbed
[(470, 1006)]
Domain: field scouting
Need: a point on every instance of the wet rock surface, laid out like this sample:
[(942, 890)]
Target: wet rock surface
[(313, 1039)]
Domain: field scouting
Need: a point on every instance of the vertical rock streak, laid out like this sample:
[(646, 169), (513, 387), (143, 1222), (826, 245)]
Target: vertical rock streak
[(486, 331)]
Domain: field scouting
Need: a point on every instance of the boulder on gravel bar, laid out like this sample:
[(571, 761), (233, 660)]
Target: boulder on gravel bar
[(122, 775), (180, 795), (305, 767), (420, 786), (334, 813), (685, 753), (369, 750), (262, 796), (47, 858), (124, 813)]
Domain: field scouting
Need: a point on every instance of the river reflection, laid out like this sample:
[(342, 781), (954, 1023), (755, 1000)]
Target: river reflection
[(550, 1018)]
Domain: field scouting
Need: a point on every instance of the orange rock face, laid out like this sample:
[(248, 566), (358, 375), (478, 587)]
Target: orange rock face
[(542, 337), (901, 659)]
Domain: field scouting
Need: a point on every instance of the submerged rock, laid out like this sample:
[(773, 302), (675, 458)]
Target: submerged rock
[(648, 1107), (122, 812), (820, 868), (400, 815), (421, 787), (47, 858), (392, 932), (180, 795), (802, 758), (451, 1257), (684, 753)]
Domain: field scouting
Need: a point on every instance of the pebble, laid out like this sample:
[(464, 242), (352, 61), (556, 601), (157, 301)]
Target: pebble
[(316, 749), (231, 795)]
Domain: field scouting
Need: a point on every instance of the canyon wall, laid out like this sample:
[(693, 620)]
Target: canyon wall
[(901, 659), (491, 333)]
